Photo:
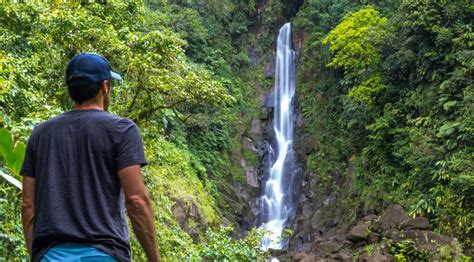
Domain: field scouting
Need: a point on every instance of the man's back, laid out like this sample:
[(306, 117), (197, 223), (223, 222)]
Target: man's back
[(75, 158)]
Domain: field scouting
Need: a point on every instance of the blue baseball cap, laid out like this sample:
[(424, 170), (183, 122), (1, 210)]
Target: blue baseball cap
[(89, 68)]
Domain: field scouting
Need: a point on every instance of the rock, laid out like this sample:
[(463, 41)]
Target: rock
[(299, 121), (375, 226), (394, 235), (369, 218), (373, 238), (375, 257), (253, 56), (270, 70), (179, 213), (360, 243), (259, 93), (285, 257), (427, 240), (226, 222), (256, 128), (186, 212), (326, 260), (317, 219), (328, 247), (298, 244), (299, 256), (329, 200), (248, 144), (307, 247), (310, 258), (250, 174), (416, 223), (393, 216), (194, 234), (277, 252), (359, 232), (344, 257), (308, 144)]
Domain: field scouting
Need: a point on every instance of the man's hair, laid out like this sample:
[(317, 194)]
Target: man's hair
[(81, 94)]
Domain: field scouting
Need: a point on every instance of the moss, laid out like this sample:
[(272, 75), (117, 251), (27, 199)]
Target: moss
[(177, 174)]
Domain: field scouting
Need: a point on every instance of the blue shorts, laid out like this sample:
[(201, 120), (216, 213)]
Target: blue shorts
[(71, 252)]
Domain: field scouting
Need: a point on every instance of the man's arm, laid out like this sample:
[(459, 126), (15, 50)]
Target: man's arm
[(28, 210), (139, 210)]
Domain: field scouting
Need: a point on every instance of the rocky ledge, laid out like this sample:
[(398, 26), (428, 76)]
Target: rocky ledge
[(393, 236)]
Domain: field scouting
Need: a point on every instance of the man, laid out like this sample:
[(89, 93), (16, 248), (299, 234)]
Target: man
[(79, 168)]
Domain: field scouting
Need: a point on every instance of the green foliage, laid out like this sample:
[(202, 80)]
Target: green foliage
[(11, 234), (180, 175), (354, 43), (174, 99), (12, 154), (354, 40), (158, 75), (406, 250), (12, 244), (395, 102), (221, 247)]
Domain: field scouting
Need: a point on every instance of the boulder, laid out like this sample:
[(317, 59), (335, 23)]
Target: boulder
[(310, 258), (343, 256), (285, 257), (359, 232), (375, 226), (394, 235), (277, 252), (427, 240), (300, 257), (360, 243), (416, 223), (369, 218), (375, 257), (393, 217), (327, 247), (373, 238)]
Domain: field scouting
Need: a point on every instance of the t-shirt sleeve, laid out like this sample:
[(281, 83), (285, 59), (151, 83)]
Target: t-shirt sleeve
[(28, 168), (130, 148)]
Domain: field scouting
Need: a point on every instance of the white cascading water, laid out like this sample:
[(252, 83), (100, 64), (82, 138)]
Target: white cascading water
[(276, 202)]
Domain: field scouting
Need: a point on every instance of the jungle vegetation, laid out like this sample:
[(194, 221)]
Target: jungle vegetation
[(384, 85)]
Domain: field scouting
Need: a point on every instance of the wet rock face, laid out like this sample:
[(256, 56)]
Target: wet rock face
[(251, 174), (270, 70), (253, 56)]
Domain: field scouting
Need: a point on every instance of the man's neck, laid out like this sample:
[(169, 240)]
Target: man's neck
[(88, 106)]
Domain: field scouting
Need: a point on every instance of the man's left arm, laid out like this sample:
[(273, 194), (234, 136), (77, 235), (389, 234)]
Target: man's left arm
[(28, 210)]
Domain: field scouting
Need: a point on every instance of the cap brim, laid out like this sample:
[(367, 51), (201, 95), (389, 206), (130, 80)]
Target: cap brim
[(115, 75)]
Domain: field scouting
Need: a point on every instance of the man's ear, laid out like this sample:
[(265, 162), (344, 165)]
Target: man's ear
[(105, 87)]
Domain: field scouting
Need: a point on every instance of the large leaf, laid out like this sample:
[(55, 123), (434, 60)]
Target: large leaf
[(11, 179), (19, 155), (6, 142)]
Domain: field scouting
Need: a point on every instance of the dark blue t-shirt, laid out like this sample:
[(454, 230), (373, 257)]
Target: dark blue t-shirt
[(74, 159)]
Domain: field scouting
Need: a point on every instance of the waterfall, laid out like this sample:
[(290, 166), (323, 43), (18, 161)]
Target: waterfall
[(277, 203)]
